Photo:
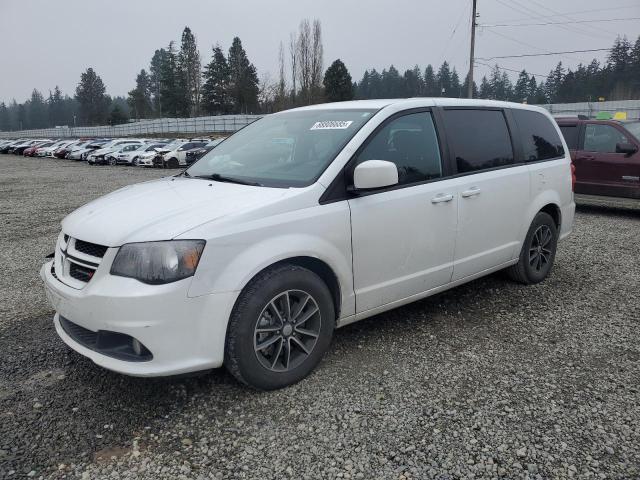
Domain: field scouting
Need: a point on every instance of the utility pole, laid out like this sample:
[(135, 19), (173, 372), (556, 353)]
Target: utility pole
[(473, 45)]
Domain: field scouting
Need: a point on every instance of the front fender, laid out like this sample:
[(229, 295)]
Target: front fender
[(323, 232)]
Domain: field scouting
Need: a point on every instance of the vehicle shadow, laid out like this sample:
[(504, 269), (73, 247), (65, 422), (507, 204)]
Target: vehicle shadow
[(612, 211)]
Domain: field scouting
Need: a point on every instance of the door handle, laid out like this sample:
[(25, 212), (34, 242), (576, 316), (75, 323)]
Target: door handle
[(472, 192), (442, 198)]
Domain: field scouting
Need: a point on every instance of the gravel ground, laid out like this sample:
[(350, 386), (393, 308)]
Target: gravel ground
[(489, 380)]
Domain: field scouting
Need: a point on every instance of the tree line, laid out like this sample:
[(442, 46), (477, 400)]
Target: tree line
[(177, 84)]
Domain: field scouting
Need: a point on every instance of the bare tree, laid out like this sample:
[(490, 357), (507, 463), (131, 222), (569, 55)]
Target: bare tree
[(304, 48), (282, 82), (293, 57), (317, 53)]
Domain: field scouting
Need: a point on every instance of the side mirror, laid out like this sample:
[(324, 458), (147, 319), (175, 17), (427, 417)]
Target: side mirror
[(375, 174), (628, 148)]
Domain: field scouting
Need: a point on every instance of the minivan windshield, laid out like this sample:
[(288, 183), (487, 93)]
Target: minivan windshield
[(289, 149)]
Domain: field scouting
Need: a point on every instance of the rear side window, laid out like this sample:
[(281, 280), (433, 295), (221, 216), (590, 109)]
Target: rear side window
[(540, 140), (411, 143), (570, 134), (480, 139)]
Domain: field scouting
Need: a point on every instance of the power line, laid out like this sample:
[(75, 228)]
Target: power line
[(515, 40), (565, 16), (561, 23), (544, 54), (530, 12), (511, 69), (572, 13)]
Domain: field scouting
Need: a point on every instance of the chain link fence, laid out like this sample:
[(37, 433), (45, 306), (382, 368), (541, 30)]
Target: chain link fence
[(225, 124), (187, 127)]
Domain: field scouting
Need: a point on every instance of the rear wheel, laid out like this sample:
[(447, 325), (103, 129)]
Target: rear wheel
[(173, 163), (280, 328), (538, 251), (112, 161), (134, 162)]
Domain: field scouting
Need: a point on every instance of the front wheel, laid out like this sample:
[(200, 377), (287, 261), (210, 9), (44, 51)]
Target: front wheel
[(538, 251), (112, 161), (280, 328), (173, 163), (134, 162)]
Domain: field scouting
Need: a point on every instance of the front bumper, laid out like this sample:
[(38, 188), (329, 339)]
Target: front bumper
[(184, 334)]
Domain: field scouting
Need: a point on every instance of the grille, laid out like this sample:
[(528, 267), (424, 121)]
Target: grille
[(92, 249), (79, 272)]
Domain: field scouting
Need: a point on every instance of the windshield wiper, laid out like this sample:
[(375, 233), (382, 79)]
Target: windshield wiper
[(223, 178)]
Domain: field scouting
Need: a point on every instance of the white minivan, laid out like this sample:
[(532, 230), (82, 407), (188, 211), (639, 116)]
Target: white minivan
[(304, 221)]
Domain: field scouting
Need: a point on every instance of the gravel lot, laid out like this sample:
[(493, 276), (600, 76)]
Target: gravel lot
[(490, 380)]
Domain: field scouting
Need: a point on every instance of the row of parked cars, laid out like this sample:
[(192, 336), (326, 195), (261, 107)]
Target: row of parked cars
[(144, 152)]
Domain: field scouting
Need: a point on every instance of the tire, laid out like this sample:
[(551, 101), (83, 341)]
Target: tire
[(112, 161), (263, 301), (134, 162), (172, 163), (538, 251)]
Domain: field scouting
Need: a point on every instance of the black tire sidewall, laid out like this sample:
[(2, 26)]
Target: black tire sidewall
[(533, 276), (239, 351)]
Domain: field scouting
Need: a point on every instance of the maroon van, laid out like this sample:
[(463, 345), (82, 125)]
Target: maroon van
[(606, 156)]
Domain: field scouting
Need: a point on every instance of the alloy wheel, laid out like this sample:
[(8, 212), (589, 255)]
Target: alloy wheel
[(287, 330), (539, 251)]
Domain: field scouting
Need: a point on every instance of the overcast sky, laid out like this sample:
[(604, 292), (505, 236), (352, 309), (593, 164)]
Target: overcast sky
[(50, 42)]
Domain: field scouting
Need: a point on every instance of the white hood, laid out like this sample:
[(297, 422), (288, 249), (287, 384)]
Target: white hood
[(162, 209)]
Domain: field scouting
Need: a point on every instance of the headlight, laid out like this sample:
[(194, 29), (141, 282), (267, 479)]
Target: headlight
[(156, 263)]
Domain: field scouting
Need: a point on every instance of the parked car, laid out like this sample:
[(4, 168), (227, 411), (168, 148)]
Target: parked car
[(98, 157), (197, 153), (178, 157), (62, 152), (48, 151), (131, 157), (19, 148), (112, 157), (304, 221), (33, 149), (82, 152), (606, 156)]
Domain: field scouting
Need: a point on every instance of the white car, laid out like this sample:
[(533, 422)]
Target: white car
[(112, 157), (132, 157), (304, 221), (98, 157), (178, 156)]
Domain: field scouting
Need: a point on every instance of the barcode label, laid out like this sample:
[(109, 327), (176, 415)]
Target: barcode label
[(331, 125)]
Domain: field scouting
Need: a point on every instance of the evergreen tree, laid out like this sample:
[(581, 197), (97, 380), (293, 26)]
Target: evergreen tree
[(189, 67), (375, 84), (443, 81), (140, 97), (554, 80), (243, 85), (90, 93), (117, 116), (215, 90), (37, 110), (56, 108), (456, 88), (522, 89), (430, 83), (337, 83), (158, 62), (413, 84), (392, 83), (172, 93), (465, 88), (363, 89), (5, 119), (485, 88)]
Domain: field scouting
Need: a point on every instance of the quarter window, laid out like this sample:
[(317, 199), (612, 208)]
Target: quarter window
[(480, 139), (411, 143), (602, 138), (540, 140), (570, 134)]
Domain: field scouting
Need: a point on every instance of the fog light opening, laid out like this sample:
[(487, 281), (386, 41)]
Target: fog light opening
[(137, 347)]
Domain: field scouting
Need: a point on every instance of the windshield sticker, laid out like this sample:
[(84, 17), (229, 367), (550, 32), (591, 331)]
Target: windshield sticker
[(331, 125)]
